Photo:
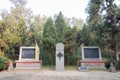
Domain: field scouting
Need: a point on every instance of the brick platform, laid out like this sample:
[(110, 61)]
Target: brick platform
[(92, 63), (28, 64)]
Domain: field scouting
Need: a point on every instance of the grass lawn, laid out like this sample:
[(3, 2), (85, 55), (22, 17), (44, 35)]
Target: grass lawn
[(48, 67)]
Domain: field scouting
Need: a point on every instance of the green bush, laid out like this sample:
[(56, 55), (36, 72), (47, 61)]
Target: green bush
[(3, 61), (118, 65), (107, 64)]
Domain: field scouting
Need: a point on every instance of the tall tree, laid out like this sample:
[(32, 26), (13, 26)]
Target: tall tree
[(19, 10), (104, 28), (14, 26), (10, 36), (83, 36), (60, 25), (77, 22), (69, 39), (49, 42), (22, 14), (94, 20), (112, 21), (36, 28)]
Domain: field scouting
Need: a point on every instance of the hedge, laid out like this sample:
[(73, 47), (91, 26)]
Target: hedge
[(3, 61)]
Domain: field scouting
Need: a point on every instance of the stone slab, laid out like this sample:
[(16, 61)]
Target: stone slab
[(60, 56)]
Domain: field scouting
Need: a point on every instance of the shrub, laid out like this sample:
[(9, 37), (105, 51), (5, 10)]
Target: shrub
[(118, 65), (107, 64), (3, 61)]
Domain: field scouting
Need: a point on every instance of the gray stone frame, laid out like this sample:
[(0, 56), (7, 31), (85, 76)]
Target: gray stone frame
[(83, 58), (20, 54)]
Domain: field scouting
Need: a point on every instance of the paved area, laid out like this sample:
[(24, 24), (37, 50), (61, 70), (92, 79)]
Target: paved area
[(58, 75)]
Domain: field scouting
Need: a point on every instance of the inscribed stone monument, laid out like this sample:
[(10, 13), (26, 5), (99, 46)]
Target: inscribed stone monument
[(59, 56), (91, 57), (28, 58)]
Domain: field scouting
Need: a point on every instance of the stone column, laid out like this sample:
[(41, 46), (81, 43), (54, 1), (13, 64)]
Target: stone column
[(59, 56)]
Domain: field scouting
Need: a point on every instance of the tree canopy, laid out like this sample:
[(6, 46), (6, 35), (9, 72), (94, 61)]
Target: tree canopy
[(20, 27)]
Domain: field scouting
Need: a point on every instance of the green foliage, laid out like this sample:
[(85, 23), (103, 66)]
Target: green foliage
[(26, 28), (106, 55), (12, 55), (118, 65), (69, 37), (14, 33), (69, 40), (112, 19), (49, 42), (36, 31), (107, 64), (83, 36), (103, 29), (78, 53), (94, 22), (59, 24), (3, 61)]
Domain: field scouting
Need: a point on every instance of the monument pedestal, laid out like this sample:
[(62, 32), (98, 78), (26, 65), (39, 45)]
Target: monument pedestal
[(28, 64), (91, 58), (93, 64), (28, 58), (10, 66)]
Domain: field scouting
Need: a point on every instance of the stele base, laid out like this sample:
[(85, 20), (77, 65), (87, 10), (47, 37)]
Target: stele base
[(28, 64)]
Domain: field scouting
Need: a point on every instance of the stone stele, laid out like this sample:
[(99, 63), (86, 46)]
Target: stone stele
[(59, 56)]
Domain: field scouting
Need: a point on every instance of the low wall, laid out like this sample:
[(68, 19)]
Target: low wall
[(28, 64), (92, 63)]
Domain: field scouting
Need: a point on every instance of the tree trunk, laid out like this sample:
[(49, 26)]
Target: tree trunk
[(116, 52), (68, 60), (3, 51)]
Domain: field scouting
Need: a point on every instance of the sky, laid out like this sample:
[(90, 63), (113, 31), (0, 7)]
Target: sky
[(69, 8)]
